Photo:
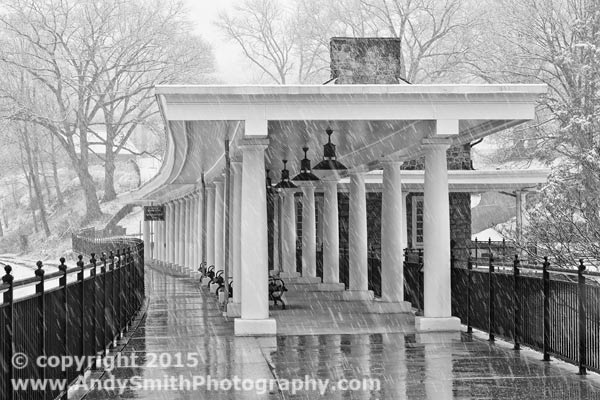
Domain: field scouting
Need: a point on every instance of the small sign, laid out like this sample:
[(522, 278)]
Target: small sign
[(154, 213)]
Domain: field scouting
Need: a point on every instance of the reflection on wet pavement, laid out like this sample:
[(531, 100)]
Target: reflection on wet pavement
[(184, 336)]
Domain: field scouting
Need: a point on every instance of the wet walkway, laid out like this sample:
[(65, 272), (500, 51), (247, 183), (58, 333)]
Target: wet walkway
[(184, 340)]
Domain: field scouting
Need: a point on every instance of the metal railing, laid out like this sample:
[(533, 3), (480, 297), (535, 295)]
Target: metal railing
[(554, 310), (77, 311)]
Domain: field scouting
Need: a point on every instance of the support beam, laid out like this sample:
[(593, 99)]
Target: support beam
[(288, 232), (181, 229), (219, 225), (309, 233), (436, 242), (170, 237), (331, 238), (234, 307), (210, 225), (195, 234), (255, 302), (357, 240), (392, 256), (187, 226), (146, 238)]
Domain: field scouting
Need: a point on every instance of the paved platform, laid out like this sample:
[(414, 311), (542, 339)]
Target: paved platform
[(183, 323)]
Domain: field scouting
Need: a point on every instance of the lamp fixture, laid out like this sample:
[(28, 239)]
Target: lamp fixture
[(305, 174), (329, 162), (270, 188), (285, 182)]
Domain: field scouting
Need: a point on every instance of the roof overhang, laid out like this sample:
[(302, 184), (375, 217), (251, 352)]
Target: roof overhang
[(372, 123)]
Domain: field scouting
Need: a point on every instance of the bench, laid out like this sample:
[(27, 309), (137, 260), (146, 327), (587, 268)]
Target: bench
[(276, 290)]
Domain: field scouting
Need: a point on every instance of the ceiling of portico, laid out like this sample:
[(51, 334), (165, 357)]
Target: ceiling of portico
[(199, 145)]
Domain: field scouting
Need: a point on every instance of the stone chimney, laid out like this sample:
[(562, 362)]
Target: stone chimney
[(365, 60)]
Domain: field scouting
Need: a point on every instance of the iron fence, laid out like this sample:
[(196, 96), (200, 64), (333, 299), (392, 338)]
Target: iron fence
[(553, 310), (78, 311)]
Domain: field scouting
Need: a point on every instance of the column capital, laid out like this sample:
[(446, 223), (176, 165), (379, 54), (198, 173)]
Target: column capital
[(436, 143), (253, 144)]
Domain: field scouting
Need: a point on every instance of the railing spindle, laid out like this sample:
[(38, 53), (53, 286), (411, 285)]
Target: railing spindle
[(9, 341), (546, 283), (581, 291), (40, 292)]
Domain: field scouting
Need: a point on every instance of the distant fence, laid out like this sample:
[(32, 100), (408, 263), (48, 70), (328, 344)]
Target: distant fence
[(77, 311), (554, 310)]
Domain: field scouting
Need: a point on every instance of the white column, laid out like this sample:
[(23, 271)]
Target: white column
[(436, 242), (176, 231), (288, 232), (169, 237), (181, 229), (357, 240), (392, 255), (233, 309), (188, 229), (309, 233), (331, 237), (210, 225), (146, 238), (200, 227), (161, 237), (255, 303), (219, 224)]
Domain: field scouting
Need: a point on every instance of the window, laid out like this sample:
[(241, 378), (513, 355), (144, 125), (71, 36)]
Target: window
[(417, 222)]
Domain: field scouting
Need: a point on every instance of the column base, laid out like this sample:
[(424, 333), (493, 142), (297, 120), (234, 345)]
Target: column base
[(358, 295), (331, 287), (437, 337), (304, 280), (386, 307), (437, 324), (254, 327), (234, 310), (288, 275)]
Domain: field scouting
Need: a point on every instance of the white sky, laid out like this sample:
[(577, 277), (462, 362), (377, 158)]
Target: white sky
[(231, 67)]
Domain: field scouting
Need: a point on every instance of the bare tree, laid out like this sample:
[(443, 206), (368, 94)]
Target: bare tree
[(265, 31), (93, 63), (555, 42), (286, 42), (152, 45)]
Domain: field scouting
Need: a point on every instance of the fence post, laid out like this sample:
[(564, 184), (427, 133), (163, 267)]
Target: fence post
[(39, 290), (517, 302), (62, 282), (103, 272), (469, 283), (546, 282), (492, 293), (113, 299), (94, 299), (80, 277), (581, 312), (9, 341)]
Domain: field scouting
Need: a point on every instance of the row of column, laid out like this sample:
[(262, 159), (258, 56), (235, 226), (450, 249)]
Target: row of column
[(183, 239), (393, 230)]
